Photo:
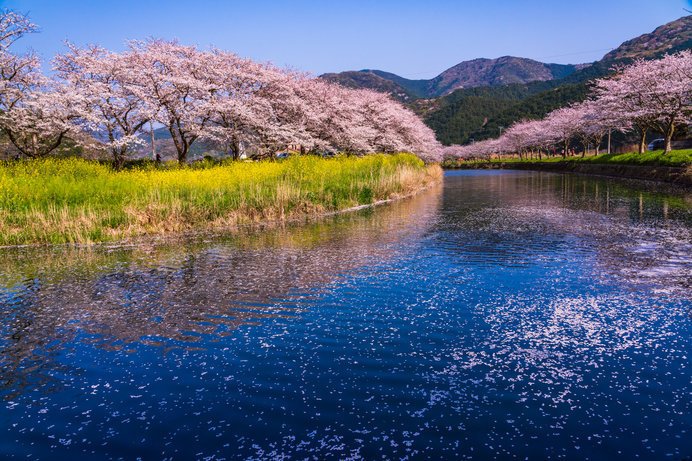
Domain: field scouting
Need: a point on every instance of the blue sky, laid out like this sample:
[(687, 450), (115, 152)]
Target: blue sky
[(413, 39)]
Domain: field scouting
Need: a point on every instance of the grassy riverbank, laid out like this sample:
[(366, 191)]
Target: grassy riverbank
[(676, 158), (76, 201)]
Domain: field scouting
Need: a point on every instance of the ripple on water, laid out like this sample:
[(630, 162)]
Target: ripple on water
[(505, 314)]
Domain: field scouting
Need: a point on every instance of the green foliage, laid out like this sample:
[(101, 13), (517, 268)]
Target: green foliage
[(478, 113)]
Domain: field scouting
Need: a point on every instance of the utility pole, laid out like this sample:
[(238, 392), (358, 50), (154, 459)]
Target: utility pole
[(153, 147)]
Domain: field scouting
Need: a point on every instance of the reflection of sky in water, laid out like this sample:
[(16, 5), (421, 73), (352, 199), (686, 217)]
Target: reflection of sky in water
[(508, 313)]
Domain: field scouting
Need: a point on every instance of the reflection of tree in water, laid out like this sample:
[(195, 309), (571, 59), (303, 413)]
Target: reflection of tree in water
[(180, 295), (640, 232), (174, 295)]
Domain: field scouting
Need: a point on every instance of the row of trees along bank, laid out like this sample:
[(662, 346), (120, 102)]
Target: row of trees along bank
[(645, 96), (99, 97)]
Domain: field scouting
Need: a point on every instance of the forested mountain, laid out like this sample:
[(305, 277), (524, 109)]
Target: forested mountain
[(481, 113), (363, 79), (467, 74), (674, 36), (495, 72), (499, 92)]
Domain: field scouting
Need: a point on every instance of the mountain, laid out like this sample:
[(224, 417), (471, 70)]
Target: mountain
[(467, 74), (417, 87), (495, 72), (481, 113), (364, 79), (671, 37)]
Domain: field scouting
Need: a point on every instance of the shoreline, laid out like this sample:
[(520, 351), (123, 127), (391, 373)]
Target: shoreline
[(681, 176)]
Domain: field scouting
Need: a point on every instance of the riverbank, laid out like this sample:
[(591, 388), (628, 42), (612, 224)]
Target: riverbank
[(76, 201), (674, 167)]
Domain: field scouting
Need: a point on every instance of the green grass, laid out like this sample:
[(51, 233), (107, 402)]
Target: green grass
[(681, 158), (77, 201), (676, 158)]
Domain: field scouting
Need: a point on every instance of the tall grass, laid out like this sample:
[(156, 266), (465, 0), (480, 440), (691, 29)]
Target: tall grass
[(76, 201)]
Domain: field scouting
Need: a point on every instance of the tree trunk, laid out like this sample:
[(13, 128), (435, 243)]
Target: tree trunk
[(235, 148), (34, 144), (669, 137), (182, 155), (642, 140), (182, 144), (597, 144), (119, 157)]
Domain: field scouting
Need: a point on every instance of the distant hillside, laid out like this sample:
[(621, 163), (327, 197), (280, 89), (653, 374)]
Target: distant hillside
[(354, 79), (481, 113), (674, 36), (467, 74), (166, 149), (495, 72), (478, 113), (417, 87)]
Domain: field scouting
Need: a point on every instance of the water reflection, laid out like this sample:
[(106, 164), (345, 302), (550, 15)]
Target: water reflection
[(502, 314), (179, 294), (637, 231)]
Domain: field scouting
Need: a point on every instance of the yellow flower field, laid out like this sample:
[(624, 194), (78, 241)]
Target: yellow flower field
[(77, 201)]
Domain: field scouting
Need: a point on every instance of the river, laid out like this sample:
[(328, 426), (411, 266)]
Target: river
[(501, 313)]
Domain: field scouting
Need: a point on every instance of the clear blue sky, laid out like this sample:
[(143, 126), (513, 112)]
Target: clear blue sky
[(415, 39)]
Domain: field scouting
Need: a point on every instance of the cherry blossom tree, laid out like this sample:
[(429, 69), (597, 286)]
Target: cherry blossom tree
[(287, 124), (670, 89), (35, 113), (563, 124), (363, 121), (239, 109), (393, 128), (254, 104), (650, 95), (336, 116), (454, 152), (519, 138), (13, 26), (38, 122), (539, 137), (594, 121), (171, 80), (112, 106)]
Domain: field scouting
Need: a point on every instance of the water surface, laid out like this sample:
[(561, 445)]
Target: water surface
[(501, 313)]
